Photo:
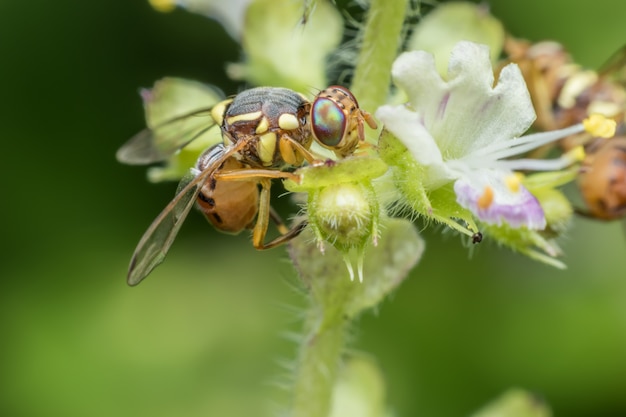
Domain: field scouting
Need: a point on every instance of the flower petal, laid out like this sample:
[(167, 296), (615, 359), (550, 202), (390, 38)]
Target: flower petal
[(481, 113), (415, 73), (408, 127), (495, 202), (466, 112)]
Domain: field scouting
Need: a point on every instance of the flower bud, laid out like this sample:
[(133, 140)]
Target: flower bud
[(342, 205), (344, 214)]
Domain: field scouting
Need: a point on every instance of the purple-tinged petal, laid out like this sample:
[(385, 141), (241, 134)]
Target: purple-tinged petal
[(494, 202)]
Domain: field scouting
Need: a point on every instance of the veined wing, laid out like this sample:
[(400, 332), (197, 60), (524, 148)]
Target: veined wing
[(157, 240), (165, 139), (615, 66)]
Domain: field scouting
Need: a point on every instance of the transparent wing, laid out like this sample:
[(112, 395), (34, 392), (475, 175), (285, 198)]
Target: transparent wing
[(615, 66), (157, 240), (162, 141)]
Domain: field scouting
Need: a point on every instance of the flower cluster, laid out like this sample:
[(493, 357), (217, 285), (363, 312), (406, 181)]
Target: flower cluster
[(462, 135), (455, 149), (450, 148)]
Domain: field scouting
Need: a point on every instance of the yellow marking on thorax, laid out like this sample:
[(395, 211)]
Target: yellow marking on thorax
[(246, 117), (263, 125), (266, 148), (227, 141), (217, 112), (288, 121)]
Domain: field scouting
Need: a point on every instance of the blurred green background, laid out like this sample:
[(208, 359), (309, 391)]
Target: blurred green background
[(204, 335)]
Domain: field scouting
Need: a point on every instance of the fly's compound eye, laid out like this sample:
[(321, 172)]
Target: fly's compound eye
[(328, 122)]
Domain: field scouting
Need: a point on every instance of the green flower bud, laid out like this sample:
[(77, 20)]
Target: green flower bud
[(435, 204), (345, 215), (343, 207), (450, 23)]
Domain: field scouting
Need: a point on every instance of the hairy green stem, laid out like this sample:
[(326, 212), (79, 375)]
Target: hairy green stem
[(381, 40), (335, 301), (333, 295), (325, 327), (319, 364)]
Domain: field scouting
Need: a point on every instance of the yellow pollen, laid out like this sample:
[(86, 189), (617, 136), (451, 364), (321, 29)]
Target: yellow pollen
[(485, 200), (513, 182), (600, 126), (577, 154), (163, 5)]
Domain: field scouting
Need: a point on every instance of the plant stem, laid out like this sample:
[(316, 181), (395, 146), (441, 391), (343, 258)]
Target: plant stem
[(319, 364), (332, 293), (381, 40), (331, 297)]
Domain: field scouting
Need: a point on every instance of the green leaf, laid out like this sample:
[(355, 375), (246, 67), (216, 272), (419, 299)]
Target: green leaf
[(384, 268), (515, 403), (281, 51)]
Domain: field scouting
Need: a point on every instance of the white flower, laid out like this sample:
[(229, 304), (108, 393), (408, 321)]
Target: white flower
[(465, 129)]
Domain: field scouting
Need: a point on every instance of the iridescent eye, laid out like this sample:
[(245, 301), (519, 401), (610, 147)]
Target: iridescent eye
[(328, 121)]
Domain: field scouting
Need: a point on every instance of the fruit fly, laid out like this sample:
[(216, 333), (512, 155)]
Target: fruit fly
[(563, 93), (265, 131), (602, 180)]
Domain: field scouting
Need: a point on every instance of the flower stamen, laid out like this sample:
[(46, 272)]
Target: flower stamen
[(506, 149), (514, 182), (600, 126), (575, 155)]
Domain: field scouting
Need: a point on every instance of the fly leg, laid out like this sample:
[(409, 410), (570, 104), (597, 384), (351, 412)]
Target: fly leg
[(264, 177)]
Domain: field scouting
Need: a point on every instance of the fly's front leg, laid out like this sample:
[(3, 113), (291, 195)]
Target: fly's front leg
[(263, 217), (253, 174), (293, 152), (262, 222)]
